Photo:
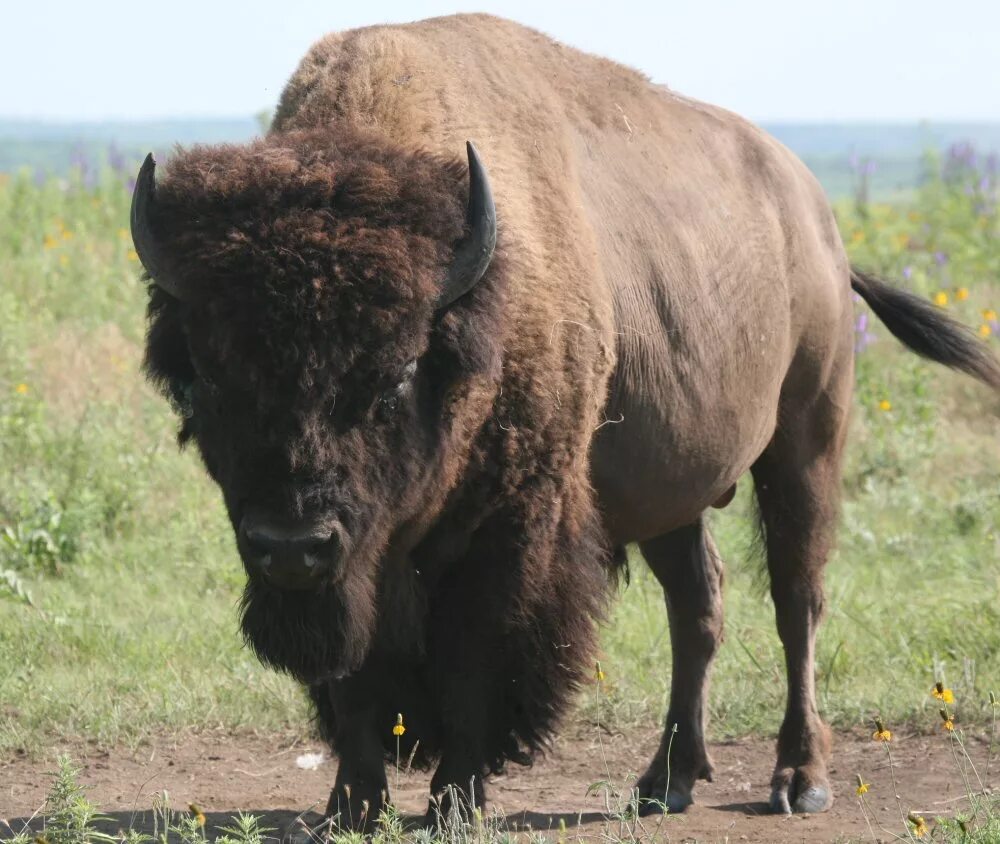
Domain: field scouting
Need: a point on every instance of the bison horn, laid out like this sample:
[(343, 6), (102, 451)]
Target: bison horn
[(473, 254), (142, 234)]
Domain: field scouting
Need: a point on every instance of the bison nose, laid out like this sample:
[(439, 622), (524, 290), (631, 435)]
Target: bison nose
[(290, 557)]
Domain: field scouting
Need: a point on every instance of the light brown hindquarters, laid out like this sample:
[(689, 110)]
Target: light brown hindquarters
[(734, 353)]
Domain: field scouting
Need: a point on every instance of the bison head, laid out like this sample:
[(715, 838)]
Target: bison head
[(316, 321)]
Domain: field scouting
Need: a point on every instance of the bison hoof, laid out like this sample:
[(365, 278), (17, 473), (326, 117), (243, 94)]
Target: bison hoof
[(814, 799), (652, 800), (808, 801), (356, 809)]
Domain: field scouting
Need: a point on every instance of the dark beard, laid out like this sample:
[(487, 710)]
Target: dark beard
[(312, 636)]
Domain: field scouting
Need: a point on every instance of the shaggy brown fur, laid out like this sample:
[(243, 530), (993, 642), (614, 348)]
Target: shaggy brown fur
[(669, 308), (309, 278)]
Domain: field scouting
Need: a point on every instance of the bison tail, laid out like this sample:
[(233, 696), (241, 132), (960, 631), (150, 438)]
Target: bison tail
[(926, 329)]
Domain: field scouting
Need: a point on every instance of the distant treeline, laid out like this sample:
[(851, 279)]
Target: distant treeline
[(888, 156)]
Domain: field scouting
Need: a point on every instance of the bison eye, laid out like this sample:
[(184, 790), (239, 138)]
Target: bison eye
[(181, 398), (182, 393), (390, 399)]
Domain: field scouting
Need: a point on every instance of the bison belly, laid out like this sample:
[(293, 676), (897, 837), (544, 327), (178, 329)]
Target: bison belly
[(688, 412)]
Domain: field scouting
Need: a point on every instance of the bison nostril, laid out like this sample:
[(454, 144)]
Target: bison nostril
[(268, 539), (290, 556)]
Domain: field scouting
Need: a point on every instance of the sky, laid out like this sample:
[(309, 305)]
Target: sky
[(795, 60)]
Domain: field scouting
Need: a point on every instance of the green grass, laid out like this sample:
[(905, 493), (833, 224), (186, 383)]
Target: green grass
[(118, 539), (119, 578)]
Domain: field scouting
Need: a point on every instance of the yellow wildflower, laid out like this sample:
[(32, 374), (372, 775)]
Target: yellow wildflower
[(989, 314), (50, 242), (902, 241), (862, 787), (985, 330), (881, 733), (949, 721), (67, 234), (941, 299), (133, 255), (21, 389), (920, 828), (599, 674), (399, 729), (885, 404), (857, 236), (199, 815), (943, 694), (962, 293), (63, 260), (123, 233)]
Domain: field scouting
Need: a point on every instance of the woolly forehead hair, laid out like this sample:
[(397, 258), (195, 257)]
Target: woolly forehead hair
[(334, 232), (331, 199)]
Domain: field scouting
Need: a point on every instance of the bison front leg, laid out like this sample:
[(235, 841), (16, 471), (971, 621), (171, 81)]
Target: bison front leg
[(512, 633), (457, 784), (468, 702), (689, 568), (347, 720)]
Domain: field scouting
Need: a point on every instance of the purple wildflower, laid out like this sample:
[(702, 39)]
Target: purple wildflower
[(863, 338), (116, 159), (907, 272), (940, 258), (80, 162)]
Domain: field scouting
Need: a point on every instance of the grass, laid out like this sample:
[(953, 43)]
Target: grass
[(118, 575), (119, 578)]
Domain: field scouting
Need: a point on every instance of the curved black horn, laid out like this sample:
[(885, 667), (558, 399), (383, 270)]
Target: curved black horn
[(473, 254), (142, 234)]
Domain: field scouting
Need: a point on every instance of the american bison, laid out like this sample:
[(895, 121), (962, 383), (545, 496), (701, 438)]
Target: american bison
[(441, 397)]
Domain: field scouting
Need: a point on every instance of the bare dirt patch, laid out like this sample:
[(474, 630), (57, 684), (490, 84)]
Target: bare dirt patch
[(223, 775)]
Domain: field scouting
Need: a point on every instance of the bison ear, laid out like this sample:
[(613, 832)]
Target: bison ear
[(473, 253), (143, 237)]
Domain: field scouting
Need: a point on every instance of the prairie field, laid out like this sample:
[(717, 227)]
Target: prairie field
[(119, 577)]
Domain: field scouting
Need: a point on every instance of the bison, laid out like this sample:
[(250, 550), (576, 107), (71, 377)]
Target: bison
[(440, 393)]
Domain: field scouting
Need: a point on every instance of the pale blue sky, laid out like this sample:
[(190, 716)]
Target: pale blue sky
[(767, 59)]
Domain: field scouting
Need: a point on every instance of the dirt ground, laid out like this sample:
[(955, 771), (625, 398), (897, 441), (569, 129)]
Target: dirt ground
[(225, 774)]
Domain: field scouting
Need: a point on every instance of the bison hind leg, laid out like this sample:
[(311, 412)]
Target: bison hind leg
[(797, 481)]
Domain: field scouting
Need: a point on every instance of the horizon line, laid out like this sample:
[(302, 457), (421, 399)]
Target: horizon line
[(56, 120)]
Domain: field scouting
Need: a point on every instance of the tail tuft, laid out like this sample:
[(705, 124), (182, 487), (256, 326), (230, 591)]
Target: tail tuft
[(927, 330)]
